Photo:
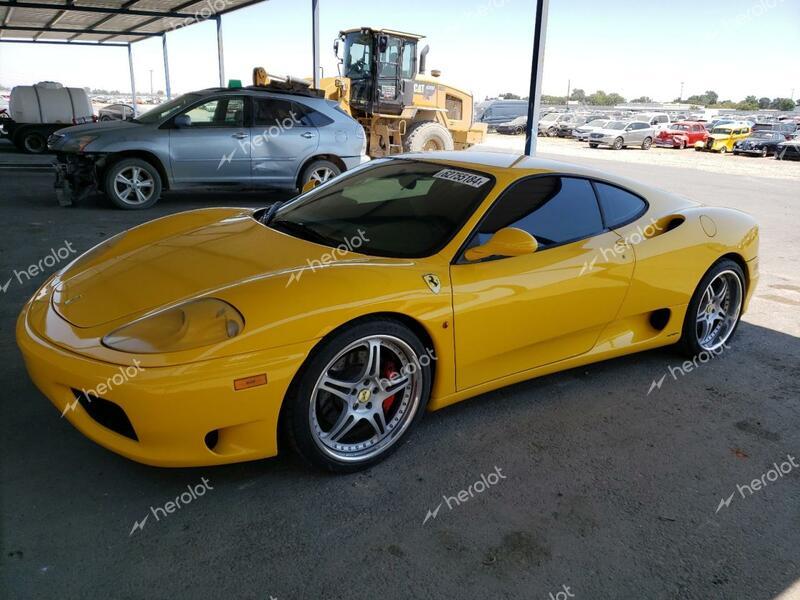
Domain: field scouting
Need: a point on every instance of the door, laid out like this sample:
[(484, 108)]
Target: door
[(282, 138), (516, 313), (215, 146), (388, 92)]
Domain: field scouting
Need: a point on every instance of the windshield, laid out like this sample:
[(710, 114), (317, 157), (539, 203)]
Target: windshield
[(395, 208), (357, 55), (680, 127), (166, 110), (723, 130), (550, 117), (597, 123), (762, 134), (616, 125)]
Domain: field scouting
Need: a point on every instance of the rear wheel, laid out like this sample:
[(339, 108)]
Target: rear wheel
[(319, 171), (427, 136), (133, 184), (648, 141), (551, 132), (359, 396), (33, 142), (763, 153), (715, 309)]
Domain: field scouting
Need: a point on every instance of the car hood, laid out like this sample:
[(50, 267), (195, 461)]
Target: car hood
[(172, 260), (100, 127)]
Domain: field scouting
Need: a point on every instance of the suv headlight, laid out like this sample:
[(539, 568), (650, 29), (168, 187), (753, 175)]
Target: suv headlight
[(194, 324)]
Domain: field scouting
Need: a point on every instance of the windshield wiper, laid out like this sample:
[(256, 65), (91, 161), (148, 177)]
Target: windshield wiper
[(267, 217)]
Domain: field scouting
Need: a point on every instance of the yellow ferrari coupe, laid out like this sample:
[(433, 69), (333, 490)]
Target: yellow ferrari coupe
[(336, 319)]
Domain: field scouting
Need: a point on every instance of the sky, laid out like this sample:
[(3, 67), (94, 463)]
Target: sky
[(646, 48)]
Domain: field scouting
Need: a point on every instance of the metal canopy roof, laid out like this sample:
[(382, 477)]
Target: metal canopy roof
[(104, 22)]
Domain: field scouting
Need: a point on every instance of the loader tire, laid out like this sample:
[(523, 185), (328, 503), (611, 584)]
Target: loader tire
[(427, 136)]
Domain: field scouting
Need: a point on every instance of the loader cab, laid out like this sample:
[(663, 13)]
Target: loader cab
[(381, 65)]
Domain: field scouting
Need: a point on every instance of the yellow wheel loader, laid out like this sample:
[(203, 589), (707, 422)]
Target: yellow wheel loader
[(384, 85)]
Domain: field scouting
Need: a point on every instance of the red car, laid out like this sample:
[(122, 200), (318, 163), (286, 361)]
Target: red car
[(682, 134)]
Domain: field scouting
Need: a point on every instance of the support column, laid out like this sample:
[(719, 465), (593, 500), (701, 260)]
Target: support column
[(133, 80), (537, 61), (220, 56), (166, 66), (315, 40)]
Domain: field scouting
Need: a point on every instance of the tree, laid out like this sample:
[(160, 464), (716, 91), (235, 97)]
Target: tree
[(784, 104), (763, 102), (749, 103), (509, 96), (614, 98), (578, 94), (642, 100)]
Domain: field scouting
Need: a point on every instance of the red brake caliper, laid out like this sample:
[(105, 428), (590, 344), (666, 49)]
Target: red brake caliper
[(389, 372)]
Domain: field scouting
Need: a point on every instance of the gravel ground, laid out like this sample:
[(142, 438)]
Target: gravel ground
[(607, 491)]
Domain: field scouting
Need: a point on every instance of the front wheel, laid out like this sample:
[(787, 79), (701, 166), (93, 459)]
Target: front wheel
[(618, 143), (723, 149), (593, 145), (715, 309), (133, 184), (359, 396)]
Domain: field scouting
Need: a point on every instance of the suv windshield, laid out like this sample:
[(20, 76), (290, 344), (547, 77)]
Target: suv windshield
[(166, 110), (395, 208)]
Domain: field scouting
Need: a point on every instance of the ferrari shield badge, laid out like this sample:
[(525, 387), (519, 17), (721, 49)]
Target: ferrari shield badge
[(433, 282)]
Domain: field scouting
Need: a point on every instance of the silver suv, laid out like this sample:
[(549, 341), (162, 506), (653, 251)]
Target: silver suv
[(245, 137), (619, 134)]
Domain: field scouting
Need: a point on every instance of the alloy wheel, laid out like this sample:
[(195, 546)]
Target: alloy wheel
[(133, 185), (365, 398), (322, 174), (718, 310)]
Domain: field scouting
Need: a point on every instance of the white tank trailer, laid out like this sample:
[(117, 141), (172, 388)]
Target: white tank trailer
[(36, 111)]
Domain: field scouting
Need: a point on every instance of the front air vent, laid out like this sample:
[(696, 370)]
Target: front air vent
[(659, 319)]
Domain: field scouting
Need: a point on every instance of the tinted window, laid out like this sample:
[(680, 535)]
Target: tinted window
[(554, 210), (409, 55), (618, 205), (272, 111), (310, 117)]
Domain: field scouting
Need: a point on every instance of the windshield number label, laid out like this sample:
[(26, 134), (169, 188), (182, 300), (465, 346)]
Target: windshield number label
[(469, 179)]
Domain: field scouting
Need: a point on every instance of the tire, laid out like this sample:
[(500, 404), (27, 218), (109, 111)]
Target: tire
[(593, 145), (618, 144), (33, 141), (551, 132), (723, 150), (691, 342), (105, 118), (763, 153), (427, 136), (132, 197), (736, 153), (313, 412), (682, 146), (320, 171), (648, 141)]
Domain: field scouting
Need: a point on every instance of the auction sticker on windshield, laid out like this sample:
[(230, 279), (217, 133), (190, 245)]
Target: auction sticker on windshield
[(469, 179)]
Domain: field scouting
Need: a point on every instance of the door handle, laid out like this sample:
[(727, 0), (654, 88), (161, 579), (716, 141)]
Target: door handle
[(308, 135), (240, 135)]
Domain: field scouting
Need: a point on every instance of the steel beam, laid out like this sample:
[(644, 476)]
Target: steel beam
[(537, 62), (220, 54), (63, 43), (95, 9), (133, 79), (315, 40), (166, 65)]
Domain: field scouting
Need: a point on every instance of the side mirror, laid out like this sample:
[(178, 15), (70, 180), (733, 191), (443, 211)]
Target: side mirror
[(309, 185), (508, 241), (182, 121)]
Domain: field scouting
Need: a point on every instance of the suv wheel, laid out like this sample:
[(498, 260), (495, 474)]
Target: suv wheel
[(618, 143), (133, 184), (319, 171)]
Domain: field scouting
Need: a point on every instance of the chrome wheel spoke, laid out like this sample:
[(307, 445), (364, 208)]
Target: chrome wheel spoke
[(391, 386), (342, 389), (120, 178), (347, 420), (378, 421), (373, 364)]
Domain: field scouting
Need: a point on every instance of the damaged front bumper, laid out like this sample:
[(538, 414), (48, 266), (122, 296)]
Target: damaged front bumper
[(77, 176)]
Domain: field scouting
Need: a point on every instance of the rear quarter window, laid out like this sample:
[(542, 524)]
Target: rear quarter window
[(619, 207)]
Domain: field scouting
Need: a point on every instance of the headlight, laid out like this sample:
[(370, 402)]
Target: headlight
[(79, 143), (194, 324)]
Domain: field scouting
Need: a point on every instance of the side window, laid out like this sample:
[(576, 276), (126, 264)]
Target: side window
[(618, 206), (409, 56), (274, 112), (309, 117), (554, 210), (388, 59), (220, 112), (663, 118)]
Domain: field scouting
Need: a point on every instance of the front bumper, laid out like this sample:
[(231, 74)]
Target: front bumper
[(175, 412), (754, 151), (77, 176)]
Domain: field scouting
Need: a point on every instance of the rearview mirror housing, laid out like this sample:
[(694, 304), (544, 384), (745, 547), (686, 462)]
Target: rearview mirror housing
[(182, 121), (506, 242)]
